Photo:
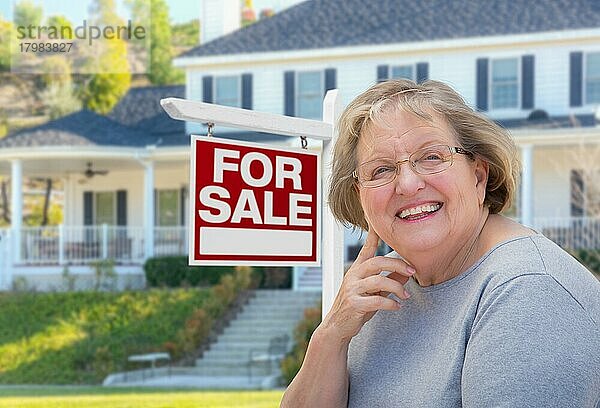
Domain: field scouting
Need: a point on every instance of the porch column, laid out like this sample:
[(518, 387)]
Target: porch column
[(148, 209), (16, 206), (527, 185)]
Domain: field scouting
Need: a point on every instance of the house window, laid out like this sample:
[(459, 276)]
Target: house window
[(402, 71), (227, 91), (105, 208), (167, 208), (309, 97), (592, 78), (505, 83)]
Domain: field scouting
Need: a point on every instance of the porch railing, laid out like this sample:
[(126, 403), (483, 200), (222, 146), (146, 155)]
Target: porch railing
[(84, 244), (571, 232)]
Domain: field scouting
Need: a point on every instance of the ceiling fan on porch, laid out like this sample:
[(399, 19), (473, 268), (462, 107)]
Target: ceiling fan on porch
[(89, 173)]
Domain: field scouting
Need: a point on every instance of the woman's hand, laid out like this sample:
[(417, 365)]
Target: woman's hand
[(364, 290)]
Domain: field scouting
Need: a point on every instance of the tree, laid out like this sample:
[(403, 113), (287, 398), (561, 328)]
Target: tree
[(27, 13), (161, 70), (6, 28), (105, 88), (59, 21), (60, 99), (185, 34)]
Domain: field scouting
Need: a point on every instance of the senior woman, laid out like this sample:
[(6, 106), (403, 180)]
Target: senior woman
[(471, 308)]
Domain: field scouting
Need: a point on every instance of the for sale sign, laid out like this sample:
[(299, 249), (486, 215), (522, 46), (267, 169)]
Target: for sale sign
[(252, 204)]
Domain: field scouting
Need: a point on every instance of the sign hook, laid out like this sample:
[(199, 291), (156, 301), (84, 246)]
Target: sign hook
[(209, 129), (303, 142)]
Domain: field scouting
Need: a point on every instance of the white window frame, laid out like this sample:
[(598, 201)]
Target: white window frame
[(157, 207), (238, 79), (95, 207), (297, 88), (585, 79), (413, 69), (491, 85)]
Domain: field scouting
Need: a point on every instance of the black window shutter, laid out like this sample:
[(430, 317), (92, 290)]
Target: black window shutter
[(247, 91), (88, 208), (482, 84), (422, 72), (290, 98), (330, 79), (122, 207), (577, 193), (576, 79), (207, 89), (528, 84), (182, 196), (383, 72)]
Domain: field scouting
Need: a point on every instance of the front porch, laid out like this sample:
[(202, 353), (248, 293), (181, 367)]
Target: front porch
[(46, 251), (80, 245), (37, 257)]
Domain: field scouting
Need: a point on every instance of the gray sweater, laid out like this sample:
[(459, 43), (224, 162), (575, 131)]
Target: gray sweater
[(520, 328)]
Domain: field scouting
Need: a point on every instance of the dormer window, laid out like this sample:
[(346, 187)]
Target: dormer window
[(505, 83), (309, 97), (592, 78), (402, 71), (227, 91)]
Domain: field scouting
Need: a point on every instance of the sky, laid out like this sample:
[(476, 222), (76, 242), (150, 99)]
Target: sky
[(180, 11)]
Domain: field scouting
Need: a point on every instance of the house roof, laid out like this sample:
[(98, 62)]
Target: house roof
[(140, 108), (316, 24), (137, 120), (82, 128)]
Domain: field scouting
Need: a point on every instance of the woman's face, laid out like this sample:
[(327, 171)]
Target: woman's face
[(419, 213)]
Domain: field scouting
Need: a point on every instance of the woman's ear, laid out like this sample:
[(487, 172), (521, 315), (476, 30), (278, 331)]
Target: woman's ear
[(481, 176)]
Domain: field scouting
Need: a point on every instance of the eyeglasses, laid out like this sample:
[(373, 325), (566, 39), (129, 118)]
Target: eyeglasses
[(429, 160)]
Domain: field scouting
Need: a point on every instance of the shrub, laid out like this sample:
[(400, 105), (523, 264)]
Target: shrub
[(197, 327), (273, 277), (105, 276), (174, 271), (590, 258), (293, 361)]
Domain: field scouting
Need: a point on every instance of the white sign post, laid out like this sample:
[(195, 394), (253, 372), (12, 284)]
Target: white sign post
[(332, 237)]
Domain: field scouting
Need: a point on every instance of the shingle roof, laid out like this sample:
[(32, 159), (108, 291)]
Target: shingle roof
[(140, 108), (317, 24), (137, 120), (82, 128)]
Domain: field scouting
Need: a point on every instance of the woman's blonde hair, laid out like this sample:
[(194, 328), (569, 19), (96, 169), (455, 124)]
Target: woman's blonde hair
[(474, 132)]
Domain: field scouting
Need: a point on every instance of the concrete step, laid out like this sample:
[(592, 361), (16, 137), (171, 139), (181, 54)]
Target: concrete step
[(283, 304), (270, 313), (236, 369), (239, 345), (269, 323), (254, 338)]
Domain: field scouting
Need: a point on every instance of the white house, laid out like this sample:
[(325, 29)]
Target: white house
[(532, 66)]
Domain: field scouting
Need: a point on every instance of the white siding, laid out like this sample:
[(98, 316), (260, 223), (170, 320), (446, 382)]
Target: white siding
[(551, 178), (132, 181)]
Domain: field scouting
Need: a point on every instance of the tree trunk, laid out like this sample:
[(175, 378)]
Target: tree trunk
[(46, 202), (3, 197)]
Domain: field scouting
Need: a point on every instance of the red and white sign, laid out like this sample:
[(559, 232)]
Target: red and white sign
[(253, 205)]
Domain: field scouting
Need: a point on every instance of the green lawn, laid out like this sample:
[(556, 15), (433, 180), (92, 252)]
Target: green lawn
[(87, 397)]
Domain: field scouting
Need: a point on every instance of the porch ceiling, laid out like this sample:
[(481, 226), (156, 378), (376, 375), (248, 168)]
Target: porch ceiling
[(54, 165)]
